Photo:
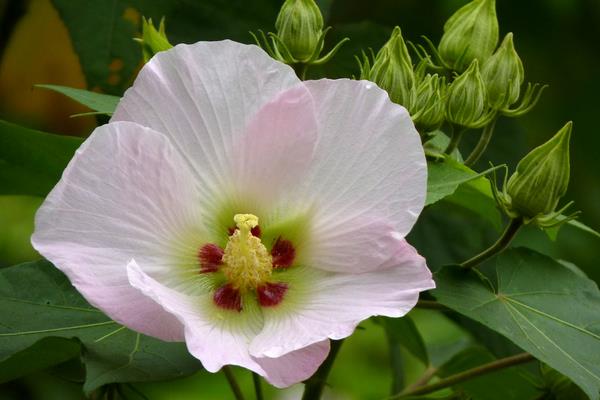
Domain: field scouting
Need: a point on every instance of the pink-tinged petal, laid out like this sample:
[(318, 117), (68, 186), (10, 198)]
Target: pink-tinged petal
[(126, 194), (216, 337), (221, 337), (203, 96), (320, 305), (275, 151), (354, 245), (369, 160), (295, 366)]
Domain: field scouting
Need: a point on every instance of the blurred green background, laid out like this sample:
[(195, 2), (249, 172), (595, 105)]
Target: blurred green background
[(559, 43)]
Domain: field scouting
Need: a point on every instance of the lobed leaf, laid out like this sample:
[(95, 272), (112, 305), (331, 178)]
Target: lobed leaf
[(37, 302), (446, 176), (31, 161), (540, 305)]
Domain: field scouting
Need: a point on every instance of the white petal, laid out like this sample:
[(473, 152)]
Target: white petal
[(369, 157), (320, 305), (216, 337), (295, 366), (202, 96), (126, 194), (221, 337), (354, 244)]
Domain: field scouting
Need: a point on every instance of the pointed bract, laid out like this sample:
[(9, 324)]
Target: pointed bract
[(541, 178), (299, 28), (471, 33), (153, 40), (503, 75), (428, 111), (466, 104), (393, 71)]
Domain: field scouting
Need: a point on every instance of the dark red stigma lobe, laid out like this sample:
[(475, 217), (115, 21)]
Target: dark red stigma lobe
[(271, 294), (228, 297), (210, 256), (283, 253)]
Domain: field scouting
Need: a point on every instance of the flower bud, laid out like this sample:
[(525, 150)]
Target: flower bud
[(428, 110), (541, 178), (299, 27), (471, 33), (152, 40), (466, 102), (393, 71), (503, 75)]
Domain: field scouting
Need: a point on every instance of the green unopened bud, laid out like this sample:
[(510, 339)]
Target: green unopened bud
[(466, 104), (299, 28), (503, 75), (153, 40), (393, 71), (428, 110), (471, 33), (541, 178)]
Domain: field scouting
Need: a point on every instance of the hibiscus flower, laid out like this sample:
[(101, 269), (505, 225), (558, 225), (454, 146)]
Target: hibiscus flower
[(231, 206)]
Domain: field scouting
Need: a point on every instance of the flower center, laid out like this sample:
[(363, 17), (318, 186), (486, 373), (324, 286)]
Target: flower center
[(247, 263)]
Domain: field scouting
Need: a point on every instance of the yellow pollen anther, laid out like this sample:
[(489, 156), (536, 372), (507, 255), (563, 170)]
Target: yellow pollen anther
[(245, 222), (246, 261)]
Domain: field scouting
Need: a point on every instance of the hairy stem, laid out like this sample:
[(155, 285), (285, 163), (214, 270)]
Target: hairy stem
[(235, 387), (482, 144), (257, 386), (313, 386), (467, 375), (509, 233)]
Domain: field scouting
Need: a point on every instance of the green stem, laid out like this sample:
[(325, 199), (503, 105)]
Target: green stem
[(482, 144), (235, 388), (300, 69), (509, 233), (467, 375), (424, 379), (313, 386), (257, 386), (454, 141)]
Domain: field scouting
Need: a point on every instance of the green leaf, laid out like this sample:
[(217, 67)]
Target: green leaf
[(102, 31), (476, 195), (47, 352), (448, 234), (553, 232), (31, 162), (102, 37), (404, 332), (510, 383), (101, 103), (559, 387), (37, 301), (543, 307), (446, 176)]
